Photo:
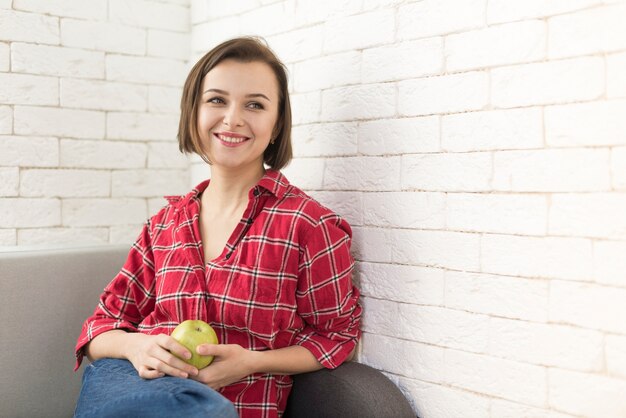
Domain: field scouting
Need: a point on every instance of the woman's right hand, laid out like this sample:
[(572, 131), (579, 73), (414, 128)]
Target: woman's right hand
[(152, 356)]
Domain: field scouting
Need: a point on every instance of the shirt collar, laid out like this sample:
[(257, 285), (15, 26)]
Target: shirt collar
[(273, 181)]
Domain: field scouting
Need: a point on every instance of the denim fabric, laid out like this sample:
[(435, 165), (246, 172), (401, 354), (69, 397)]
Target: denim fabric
[(113, 388)]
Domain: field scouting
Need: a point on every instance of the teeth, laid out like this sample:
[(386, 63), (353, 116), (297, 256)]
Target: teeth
[(231, 139)]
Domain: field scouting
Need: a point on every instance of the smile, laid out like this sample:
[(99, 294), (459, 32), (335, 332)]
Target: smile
[(231, 140)]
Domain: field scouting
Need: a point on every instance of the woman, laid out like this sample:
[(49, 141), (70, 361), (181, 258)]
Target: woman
[(265, 264)]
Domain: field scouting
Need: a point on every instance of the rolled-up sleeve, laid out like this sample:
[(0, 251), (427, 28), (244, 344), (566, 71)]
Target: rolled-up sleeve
[(327, 300), (127, 299)]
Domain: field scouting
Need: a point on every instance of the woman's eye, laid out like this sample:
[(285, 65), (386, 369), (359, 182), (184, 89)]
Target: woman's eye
[(256, 105), (215, 100)]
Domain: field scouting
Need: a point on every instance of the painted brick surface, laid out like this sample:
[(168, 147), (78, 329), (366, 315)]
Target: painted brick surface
[(476, 147)]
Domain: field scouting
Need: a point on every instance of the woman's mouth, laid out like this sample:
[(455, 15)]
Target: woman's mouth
[(231, 141)]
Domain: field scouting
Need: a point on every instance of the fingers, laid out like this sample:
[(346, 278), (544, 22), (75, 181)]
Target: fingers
[(210, 349)]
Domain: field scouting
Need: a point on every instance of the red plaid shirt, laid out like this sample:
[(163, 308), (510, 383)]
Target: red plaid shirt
[(284, 278)]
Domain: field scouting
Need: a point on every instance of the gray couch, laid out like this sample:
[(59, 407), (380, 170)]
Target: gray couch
[(45, 295)]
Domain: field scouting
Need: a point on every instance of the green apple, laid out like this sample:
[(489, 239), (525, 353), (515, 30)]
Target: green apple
[(191, 334)]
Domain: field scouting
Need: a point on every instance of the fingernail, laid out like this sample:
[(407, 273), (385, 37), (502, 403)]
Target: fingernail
[(183, 375), (187, 355)]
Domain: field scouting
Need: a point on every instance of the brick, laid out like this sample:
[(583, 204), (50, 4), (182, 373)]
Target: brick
[(96, 9), (307, 173), (141, 126), (103, 95), (306, 107), (492, 130), (408, 284), (145, 70), (308, 13), (103, 36), (586, 394), (500, 213), (546, 344), (28, 89), (155, 204), (65, 183), (586, 124), (588, 305), (339, 32), (6, 120), (149, 183), (599, 215), (30, 152), (207, 35), (325, 139), (163, 99), (443, 327), (28, 27), (616, 67), (124, 234), (56, 60), (609, 262), (552, 82), (59, 122), (439, 17), (399, 136), (447, 172), (5, 4), (298, 45), (453, 250), (169, 44), (510, 10), (380, 317), (354, 102), (362, 173), (103, 212), (505, 409), (346, 204), (618, 162), (29, 213), (403, 60), (443, 94), (372, 244), (102, 154), (496, 45), (558, 170), (216, 8), (496, 377), (615, 360), (597, 30), (327, 71), (150, 14), (437, 401), (407, 358), (5, 57), (419, 210), (8, 237), (9, 181), (546, 257), (502, 296), (262, 19), (63, 236), (166, 155)]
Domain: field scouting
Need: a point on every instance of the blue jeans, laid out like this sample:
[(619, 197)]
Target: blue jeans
[(113, 388)]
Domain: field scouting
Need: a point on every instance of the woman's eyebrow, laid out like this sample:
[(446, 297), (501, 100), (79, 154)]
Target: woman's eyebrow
[(247, 95)]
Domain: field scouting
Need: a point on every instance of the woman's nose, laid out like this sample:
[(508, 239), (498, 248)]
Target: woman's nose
[(233, 117)]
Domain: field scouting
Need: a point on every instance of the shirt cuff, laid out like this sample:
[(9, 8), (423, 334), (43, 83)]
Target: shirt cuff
[(92, 330), (330, 353)]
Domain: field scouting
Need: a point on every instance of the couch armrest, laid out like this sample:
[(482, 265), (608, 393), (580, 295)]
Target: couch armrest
[(350, 390)]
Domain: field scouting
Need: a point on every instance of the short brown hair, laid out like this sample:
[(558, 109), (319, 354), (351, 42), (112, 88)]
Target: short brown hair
[(244, 49)]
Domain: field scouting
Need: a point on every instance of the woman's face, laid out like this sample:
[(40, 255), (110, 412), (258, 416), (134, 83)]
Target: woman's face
[(237, 113)]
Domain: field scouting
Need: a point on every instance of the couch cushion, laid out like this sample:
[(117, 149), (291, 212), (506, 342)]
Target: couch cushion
[(45, 295)]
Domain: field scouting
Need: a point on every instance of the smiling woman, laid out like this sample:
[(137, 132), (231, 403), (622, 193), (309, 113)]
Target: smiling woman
[(266, 265)]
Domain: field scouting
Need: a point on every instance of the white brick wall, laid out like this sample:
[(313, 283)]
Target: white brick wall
[(88, 112), (478, 149)]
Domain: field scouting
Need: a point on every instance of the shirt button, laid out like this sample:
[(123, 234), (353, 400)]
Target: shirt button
[(256, 192), (227, 256)]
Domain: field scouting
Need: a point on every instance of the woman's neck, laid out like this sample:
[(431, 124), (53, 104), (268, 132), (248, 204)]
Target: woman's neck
[(228, 189)]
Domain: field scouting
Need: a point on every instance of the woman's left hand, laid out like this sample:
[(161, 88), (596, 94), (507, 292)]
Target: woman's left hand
[(231, 363)]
